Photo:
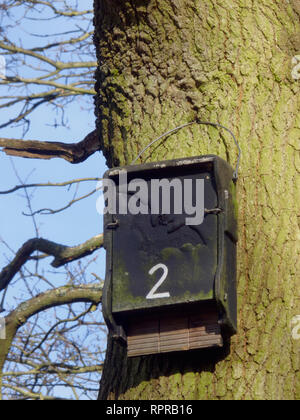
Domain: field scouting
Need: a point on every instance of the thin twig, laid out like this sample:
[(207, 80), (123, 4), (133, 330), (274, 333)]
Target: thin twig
[(50, 184), (50, 211)]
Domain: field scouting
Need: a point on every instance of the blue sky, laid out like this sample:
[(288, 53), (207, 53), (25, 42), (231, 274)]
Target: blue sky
[(72, 226)]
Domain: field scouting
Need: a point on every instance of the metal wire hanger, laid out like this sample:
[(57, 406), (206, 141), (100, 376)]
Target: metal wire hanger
[(217, 125)]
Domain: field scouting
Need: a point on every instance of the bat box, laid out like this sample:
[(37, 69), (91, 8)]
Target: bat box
[(170, 232)]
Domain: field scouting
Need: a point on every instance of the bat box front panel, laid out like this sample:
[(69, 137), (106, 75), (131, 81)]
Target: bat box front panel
[(157, 259)]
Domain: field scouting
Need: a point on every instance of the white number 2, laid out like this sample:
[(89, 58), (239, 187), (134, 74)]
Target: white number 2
[(152, 294)]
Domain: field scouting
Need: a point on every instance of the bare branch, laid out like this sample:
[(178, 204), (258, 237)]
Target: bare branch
[(49, 184), (63, 255), (63, 66), (34, 149), (28, 110), (70, 13), (51, 211), (59, 65), (68, 41), (91, 293), (32, 395), (55, 71), (62, 321), (36, 81), (51, 369)]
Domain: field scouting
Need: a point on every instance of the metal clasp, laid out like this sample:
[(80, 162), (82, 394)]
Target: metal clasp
[(112, 225), (217, 210)]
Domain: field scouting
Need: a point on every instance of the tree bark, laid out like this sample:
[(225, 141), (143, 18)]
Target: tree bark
[(164, 63)]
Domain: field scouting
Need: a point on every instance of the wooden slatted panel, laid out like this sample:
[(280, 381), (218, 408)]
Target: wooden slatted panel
[(143, 337), (174, 333), (161, 333)]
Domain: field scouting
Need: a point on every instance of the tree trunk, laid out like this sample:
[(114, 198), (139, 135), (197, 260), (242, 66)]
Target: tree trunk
[(164, 63)]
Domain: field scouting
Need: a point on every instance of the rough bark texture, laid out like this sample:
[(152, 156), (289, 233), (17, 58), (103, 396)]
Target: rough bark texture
[(163, 63)]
